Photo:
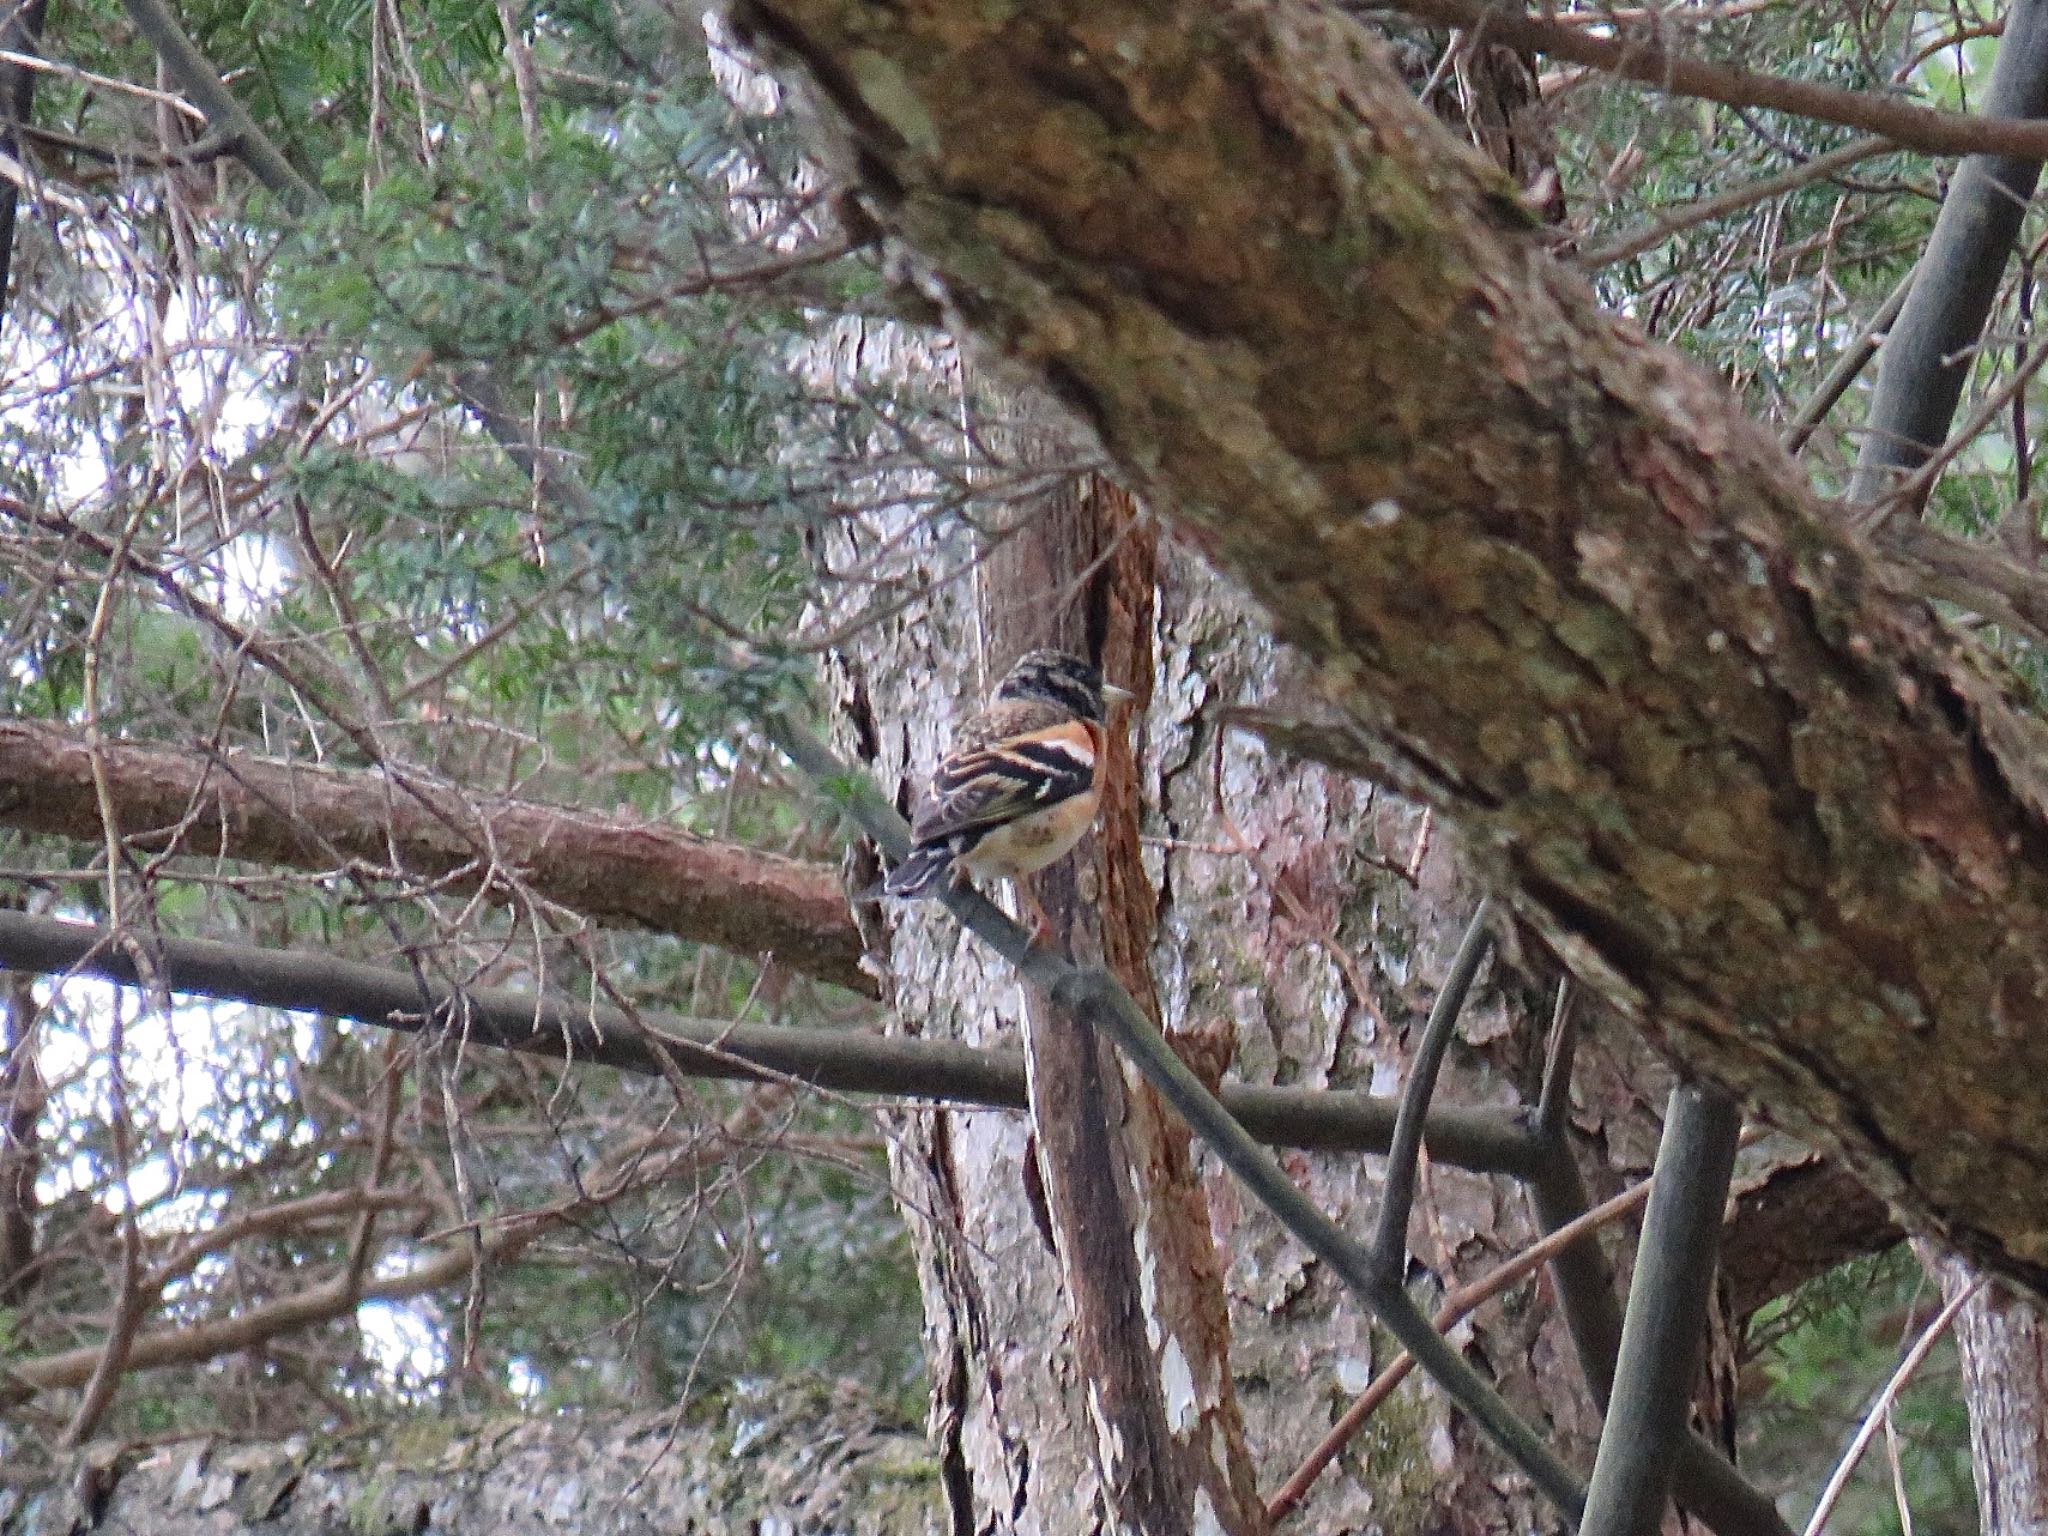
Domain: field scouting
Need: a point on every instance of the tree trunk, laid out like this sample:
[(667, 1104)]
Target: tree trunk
[(1080, 1343), (1285, 938)]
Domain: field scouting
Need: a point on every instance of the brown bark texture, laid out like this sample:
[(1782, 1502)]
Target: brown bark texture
[(798, 1458), (612, 869), (1738, 776), (1291, 933)]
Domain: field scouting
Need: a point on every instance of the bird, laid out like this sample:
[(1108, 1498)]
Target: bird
[(1019, 784)]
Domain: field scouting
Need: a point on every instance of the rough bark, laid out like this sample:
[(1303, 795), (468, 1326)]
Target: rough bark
[(1079, 1345), (1289, 929), (1741, 780), (612, 869), (802, 1458)]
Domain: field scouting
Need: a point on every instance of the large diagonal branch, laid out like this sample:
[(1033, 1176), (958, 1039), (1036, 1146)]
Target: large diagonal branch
[(1742, 780), (611, 869)]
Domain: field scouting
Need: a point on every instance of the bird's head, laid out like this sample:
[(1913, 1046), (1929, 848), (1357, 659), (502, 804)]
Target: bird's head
[(1058, 677)]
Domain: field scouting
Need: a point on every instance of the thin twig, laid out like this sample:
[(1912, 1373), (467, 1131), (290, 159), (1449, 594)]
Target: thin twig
[(100, 82), (1831, 1495), (1554, 1097), (1457, 1306), (1913, 491), (1654, 233), (1854, 359)]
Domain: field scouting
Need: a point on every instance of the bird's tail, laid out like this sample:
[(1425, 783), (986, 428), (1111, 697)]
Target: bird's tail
[(918, 875)]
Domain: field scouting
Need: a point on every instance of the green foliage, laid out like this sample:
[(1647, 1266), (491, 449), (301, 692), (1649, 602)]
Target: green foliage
[(1821, 1355), (571, 239)]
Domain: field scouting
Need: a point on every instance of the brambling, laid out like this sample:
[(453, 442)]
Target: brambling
[(1019, 786)]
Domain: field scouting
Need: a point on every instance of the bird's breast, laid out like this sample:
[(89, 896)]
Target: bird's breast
[(1031, 842)]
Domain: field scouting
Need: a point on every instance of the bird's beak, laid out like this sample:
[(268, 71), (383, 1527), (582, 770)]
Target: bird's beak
[(1111, 694)]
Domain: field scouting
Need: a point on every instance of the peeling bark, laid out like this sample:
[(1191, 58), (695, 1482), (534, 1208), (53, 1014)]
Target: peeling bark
[(1739, 778), (1071, 1285), (609, 868), (1309, 962), (1139, 1267)]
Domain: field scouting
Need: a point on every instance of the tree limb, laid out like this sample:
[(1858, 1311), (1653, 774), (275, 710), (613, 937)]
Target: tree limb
[(1404, 1152), (1641, 56), (1797, 1220), (847, 1060), (1706, 1482), (608, 868), (1666, 1320), (197, 77), (1932, 346), (1655, 231)]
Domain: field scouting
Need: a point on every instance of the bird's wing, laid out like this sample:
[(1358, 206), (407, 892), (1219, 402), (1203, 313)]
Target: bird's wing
[(989, 785)]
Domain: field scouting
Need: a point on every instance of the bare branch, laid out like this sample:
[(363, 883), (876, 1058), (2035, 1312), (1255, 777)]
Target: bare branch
[(500, 1242), (1734, 200), (609, 868), (1667, 1311), (1642, 57), (21, 31), (1931, 347), (1397, 1196), (1455, 1308), (843, 1059), (1706, 1482), (1881, 1409), (202, 82)]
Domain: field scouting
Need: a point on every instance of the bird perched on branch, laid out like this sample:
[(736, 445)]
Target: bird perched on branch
[(1018, 788)]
